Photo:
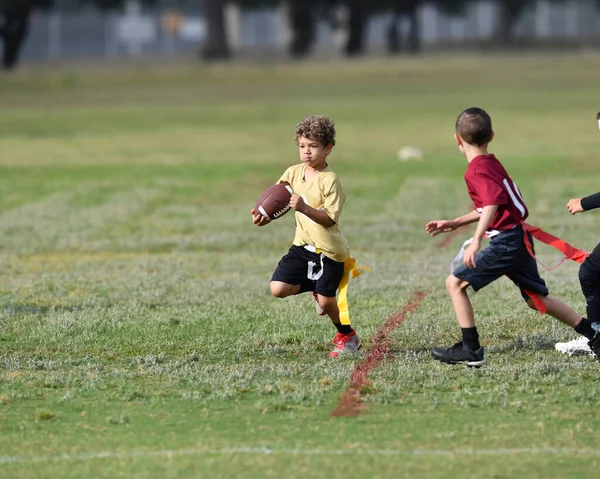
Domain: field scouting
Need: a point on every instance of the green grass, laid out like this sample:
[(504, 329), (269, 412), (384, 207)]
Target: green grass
[(137, 334)]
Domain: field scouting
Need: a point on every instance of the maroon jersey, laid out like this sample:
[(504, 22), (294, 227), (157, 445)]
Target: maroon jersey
[(489, 184)]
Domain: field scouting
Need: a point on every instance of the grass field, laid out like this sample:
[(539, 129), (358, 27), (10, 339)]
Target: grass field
[(138, 337)]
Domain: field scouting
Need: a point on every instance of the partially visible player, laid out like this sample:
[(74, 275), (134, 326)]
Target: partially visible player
[(589, 279), (500, 211), (315, 262)]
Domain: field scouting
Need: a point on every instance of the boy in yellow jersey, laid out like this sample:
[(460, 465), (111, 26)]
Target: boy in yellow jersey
[(315, 262)]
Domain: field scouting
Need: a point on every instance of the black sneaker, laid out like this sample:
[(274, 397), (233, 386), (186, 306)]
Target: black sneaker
[(461, 353), (594, 344)]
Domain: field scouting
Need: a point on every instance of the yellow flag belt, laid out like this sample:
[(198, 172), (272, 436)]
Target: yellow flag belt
[(350, 269)]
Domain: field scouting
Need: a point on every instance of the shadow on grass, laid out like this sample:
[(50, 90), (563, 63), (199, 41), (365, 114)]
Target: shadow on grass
[(524, 343), (520, 343)]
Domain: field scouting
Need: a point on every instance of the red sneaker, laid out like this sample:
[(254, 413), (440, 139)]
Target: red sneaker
[(345, 344)]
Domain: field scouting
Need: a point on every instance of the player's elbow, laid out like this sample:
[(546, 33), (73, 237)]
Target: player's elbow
[(327, 221)]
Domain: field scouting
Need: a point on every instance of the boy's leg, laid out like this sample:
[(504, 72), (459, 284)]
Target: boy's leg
[(280, 289), (589, 279), (289, 278), (581, 345), (457, 288), (491, 264), (318, 308), (296, 273), (559, 310), (527, 278), (330, 307), (468, 350), (346, 340)]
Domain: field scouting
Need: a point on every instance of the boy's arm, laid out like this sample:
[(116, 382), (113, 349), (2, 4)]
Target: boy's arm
[(434, 228), (467, 219), (334, 198), (487, 215), (591, 202), (579, 205), (318, 216)]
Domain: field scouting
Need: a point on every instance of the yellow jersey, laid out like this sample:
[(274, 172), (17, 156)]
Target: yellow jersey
[(324, 192)]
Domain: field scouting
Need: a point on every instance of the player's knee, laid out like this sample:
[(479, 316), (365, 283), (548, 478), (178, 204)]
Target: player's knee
[(328, 304), (453, 284), (280, 290)]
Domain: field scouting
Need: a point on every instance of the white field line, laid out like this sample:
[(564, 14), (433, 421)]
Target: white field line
[(550, 451)]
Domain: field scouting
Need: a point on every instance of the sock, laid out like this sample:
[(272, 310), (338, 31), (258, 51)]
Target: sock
[(471, 338), (343, 328), (585, 327)]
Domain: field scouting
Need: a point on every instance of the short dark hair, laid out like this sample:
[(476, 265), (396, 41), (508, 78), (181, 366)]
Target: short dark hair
[(474, 126), (317, 128)]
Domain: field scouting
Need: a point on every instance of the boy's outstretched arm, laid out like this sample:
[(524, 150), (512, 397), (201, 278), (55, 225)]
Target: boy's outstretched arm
[(487, 215), (579, 205), (436, 227)]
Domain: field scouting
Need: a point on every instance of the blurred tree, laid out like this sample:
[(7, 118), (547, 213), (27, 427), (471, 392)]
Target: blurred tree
[(116, 4), (453, 7), (305, 14), (257, 4), (302, 17), (400, 9), (216, 44), (14, 26), (410, 9), (358, 19), (510, 11)]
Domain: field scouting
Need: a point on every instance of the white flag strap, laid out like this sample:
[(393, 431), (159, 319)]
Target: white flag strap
[(459, 257)]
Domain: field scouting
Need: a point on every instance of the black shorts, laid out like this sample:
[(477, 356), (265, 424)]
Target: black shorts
[(312, 271), (593, 260), (506, 255)]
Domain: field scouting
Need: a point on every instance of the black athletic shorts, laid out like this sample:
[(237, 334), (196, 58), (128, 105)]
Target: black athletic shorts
[(312, 271), (593, 260), (506, 255)]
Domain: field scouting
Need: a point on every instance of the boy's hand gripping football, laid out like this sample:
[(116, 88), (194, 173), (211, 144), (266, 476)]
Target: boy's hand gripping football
[(574, 206), (436, 227), (258, 219)]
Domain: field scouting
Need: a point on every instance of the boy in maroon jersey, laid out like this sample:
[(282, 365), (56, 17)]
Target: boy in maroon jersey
[(500, 211)]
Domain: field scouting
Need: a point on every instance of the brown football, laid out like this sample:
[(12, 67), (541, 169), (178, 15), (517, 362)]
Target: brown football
[(275, 201)]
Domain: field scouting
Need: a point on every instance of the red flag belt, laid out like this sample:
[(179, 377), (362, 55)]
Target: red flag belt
[(568, 251)]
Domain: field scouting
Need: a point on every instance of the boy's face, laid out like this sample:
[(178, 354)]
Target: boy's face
[(312, 153)]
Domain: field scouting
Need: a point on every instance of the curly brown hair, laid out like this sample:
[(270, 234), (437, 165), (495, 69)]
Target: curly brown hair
[(317, 128)]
